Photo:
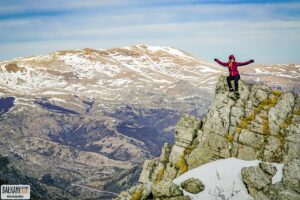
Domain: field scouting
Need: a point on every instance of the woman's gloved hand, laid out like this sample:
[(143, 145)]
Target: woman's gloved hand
[(252, 61)]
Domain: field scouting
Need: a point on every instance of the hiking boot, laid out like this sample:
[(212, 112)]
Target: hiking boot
[(230, 89), (236, 93)]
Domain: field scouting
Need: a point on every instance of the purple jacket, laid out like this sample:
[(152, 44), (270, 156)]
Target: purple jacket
[(233, 71)]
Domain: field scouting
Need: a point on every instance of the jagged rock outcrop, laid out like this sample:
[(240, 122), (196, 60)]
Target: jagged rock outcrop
[(262, 124), (258, 181)]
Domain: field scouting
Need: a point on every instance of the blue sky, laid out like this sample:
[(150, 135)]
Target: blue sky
[(267, 31)]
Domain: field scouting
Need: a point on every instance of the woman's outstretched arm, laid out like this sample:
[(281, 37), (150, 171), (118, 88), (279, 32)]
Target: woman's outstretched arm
[(220, 62), (244, 63)]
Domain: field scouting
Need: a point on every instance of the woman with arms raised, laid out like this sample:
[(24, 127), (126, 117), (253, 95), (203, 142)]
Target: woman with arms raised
[(233, 72)]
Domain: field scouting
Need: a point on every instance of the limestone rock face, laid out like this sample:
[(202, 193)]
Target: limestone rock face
[(291, 178), (193, 185), (148, 168), (165, 153), (258, 181), (262, 124), (186, 132)]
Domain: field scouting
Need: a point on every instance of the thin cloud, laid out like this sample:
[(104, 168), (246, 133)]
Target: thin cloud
[(98, 24)]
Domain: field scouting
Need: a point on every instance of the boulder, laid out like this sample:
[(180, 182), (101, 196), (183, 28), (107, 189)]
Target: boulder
[(165, 189), (259, 184), (192, 185), (255, 177)]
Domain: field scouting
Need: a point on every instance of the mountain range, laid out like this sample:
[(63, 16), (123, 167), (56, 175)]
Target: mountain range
[(85, 120)]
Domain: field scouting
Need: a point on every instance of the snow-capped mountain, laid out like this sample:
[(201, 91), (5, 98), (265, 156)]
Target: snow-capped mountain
[(96, 73), (109, 75), (90, 117), (139, 74)]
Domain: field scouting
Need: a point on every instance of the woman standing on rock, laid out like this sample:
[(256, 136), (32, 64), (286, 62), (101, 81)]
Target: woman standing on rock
[(233, 72)]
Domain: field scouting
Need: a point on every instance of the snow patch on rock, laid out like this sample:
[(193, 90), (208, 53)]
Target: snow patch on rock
[(223, 178)]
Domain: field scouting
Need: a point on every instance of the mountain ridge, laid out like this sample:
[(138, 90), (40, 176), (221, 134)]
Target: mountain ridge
[(86, 115)]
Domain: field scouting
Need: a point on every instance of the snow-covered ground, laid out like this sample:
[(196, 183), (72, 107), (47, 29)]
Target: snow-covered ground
[(223, 180)]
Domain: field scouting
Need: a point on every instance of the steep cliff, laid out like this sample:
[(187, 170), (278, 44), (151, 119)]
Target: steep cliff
[(263, 124)]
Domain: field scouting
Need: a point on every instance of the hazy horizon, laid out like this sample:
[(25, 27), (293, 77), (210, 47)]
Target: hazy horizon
[(266, 31)]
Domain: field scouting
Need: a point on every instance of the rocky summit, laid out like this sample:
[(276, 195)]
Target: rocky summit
[(262, 124), (84, 121)]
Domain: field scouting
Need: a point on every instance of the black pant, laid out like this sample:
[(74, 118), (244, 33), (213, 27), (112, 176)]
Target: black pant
[(236, 82)]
